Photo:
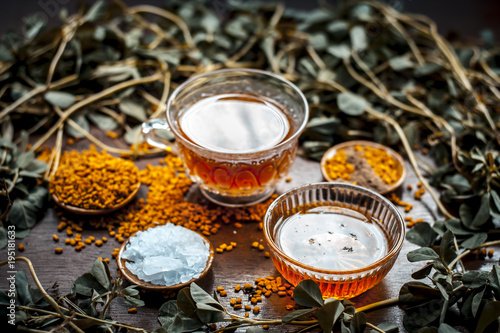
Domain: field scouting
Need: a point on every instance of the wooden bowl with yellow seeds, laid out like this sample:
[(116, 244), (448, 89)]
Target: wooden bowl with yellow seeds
[(364, 163), (93, 183)]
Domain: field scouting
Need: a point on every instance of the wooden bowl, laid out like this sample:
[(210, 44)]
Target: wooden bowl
[(86, 211), (133, 279), (401, 163)]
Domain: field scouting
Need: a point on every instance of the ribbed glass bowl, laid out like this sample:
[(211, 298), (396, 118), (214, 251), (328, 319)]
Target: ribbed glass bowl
[(337, 283)]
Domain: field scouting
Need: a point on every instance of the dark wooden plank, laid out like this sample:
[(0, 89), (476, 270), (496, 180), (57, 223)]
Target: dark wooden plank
[(243, 265)]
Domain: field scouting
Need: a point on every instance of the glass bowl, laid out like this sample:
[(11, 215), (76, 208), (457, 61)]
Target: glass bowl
[(344, 237)]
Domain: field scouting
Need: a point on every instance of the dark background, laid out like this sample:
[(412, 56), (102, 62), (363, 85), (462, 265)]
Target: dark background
[(467, 17)]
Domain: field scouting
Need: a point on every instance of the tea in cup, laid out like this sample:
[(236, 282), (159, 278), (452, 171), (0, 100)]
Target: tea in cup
[(236, 131)]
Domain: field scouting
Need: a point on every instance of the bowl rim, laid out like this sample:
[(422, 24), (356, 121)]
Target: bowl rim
[(133, 279), (394, 251), (346, 144)]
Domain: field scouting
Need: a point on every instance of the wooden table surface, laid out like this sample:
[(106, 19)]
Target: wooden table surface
[(242, 265)]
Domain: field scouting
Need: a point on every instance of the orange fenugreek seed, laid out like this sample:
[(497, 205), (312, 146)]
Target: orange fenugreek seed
[(238, 300), (223, 293), (98, 242), (220, 288), (104, 239), (223, 246), (261, 247), (246, 315), (237, 306), (132, 310), (58, 250), (229, 248), (256, 310), (219, 250), (490, 253), (237, 288), (255, 244), (233, 244), (266, 327), (55, 238), (20, 247), (248, 307), (289, 307)]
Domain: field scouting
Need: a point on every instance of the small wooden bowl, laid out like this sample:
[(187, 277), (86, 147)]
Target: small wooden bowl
[(401, 163), (86, 211), (133, 279)]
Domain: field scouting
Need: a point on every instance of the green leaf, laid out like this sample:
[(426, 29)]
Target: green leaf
[(476, 300), (352, 104), (133, 109), (341, 51), (415, 292), (200, 296), (84, 285), (22, 288), (97, 11), (307, 293), (474, 279), (358, 322), (426, 69), (82, 122), (387, 327), (445, 328), (3, 237), (475, 240), (447, 247), (134, 133), (422, 254), (457, 227), (494, 278), (209, 313), (400, 63), (210, 22), (328, 314), (483, 214), (60, 98), (132, 301), (490, 313), (359, 40), (466, 215), (421, 234), (101, 273), (167, 313), (423, 272), (22, 214), (103, 122), (185, 303), (301, 314), (422, 315), (25, 159)]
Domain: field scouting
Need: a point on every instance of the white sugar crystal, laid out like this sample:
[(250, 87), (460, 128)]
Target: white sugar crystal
[(166, 255)]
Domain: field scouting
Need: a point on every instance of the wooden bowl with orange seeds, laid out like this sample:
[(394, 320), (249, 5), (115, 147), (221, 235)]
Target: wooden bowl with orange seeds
[(364, 163), (93, 183)]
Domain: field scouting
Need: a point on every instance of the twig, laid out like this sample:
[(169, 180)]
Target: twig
[(411, 157), (52, 302), (91, 99), (466, 252), (62, 82)]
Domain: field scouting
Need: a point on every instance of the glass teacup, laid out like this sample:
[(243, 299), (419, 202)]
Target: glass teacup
[(236, 130)]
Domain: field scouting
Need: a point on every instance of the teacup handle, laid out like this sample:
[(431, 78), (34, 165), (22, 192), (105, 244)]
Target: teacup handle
[(148, 132)]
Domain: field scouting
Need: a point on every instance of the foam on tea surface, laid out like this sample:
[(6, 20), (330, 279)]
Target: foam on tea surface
[(332, 238), (235, 123)]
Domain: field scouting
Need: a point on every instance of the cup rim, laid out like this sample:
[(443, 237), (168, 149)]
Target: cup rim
[(388, 256), (293, 137)]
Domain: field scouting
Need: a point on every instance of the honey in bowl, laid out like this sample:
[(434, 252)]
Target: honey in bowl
[(332, 238), (344, 237)]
